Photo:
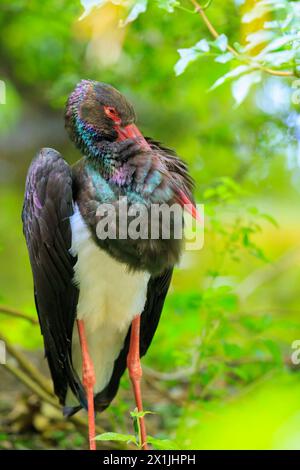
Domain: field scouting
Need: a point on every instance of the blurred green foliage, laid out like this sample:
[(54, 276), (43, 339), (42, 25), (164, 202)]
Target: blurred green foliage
[(233, 309)]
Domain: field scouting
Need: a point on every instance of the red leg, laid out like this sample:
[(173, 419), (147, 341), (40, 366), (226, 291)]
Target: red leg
[(88, 380), (135, 373)]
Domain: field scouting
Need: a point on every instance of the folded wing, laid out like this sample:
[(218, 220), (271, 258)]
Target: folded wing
[(48, 205)]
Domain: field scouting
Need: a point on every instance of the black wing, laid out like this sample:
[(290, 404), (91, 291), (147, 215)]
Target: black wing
[(48, 204), (156, 294)]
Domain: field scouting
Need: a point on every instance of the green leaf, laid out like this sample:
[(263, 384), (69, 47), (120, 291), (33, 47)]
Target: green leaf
[(241, 372), (221, 42), (276, 59), (238, 47), (168, 5), (186, 57), (278, 43), (115, 436), (162, 444), (220, 298), (140, 6), (202, 46), (241, 69), (270, 219), (190, 54), (274, 350), (257, 38), (261, 8), (209, 193), (224, 58), (140, 414), (241, 87), (257, 324), (232, 350), (88, 5)]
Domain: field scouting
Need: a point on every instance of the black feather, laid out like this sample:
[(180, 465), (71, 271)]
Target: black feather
[(46, 211)]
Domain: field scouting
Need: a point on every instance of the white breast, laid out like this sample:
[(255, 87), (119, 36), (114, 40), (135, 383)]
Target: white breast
[(110, 297)]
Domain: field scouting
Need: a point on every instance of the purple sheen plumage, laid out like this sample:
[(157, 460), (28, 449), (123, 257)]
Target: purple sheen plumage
[(36, 201)]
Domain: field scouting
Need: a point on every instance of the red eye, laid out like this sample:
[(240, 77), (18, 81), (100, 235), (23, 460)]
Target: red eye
[(112, 114)]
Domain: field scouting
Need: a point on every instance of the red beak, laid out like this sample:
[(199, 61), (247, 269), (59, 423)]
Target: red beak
[(132, 132)]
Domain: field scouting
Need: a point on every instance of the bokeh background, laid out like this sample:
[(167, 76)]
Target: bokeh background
[(219, 372)]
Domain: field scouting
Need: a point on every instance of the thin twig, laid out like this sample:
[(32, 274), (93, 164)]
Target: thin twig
[(266, 273), (162, 391), (215, 34), (31, 384), (183, 375), (179, 374), (26, 380), (27, 366), (41, 386), (78, 421), (16, 313)]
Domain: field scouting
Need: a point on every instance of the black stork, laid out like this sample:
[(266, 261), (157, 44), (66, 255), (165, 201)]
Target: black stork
[(113, 289)]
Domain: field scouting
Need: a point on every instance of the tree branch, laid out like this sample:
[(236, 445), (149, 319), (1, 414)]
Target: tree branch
[(215, 34), (16, 313), (267, 273), (44, 395), (29, 368)]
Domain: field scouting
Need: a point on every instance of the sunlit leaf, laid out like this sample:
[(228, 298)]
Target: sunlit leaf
[(221, 42), (261, 8), (168, 5), (257, 38), (162, 444), (270, 219), (88, 5), (224, 58), (115, 436), (276, 59), (186, 57), (140, 6), (202, 46), (232, 74), (241, 87), (189, 55), (279, 42), (140, 414)]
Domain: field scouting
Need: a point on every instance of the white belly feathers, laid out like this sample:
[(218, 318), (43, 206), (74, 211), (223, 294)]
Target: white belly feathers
[(110, 297)]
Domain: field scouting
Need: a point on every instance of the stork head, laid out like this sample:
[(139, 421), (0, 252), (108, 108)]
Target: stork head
[(98, 112)]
